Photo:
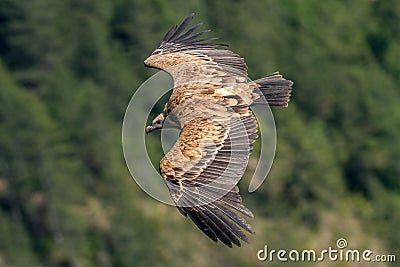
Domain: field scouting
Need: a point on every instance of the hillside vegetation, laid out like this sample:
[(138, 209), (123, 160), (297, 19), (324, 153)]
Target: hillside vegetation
[(69, 68)]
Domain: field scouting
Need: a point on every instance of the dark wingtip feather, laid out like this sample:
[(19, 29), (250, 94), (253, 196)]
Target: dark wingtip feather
[(189, 31), (178, 38), (170, 33), (202, 225), (182, 26)]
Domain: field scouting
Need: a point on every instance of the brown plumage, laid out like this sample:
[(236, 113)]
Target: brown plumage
[(210, 102)]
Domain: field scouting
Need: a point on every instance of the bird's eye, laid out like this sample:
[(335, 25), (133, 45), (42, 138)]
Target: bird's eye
[(158, 51)]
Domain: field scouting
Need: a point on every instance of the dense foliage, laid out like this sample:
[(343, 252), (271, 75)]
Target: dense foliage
[(67, 72)]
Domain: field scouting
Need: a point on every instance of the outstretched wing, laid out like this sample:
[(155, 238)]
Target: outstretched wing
[(182, 45), (204, 166)]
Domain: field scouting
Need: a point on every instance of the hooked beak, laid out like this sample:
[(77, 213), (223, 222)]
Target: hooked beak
[(156, 124), (149, 129)]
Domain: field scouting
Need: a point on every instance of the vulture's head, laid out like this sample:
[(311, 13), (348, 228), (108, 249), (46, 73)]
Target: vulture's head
[(156, 124)]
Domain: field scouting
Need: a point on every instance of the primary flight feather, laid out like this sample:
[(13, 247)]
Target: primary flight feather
[(210, 102)]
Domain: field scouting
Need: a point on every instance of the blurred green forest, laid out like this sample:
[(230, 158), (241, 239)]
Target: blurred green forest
[(69, 68)]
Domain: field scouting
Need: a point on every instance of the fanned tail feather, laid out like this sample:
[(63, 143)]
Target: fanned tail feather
[(275, 89)]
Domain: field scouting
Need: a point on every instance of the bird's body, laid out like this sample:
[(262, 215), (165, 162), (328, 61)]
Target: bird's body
[(211, 102)]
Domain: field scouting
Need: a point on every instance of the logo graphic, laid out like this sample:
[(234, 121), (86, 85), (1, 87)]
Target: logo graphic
[(341, 243)]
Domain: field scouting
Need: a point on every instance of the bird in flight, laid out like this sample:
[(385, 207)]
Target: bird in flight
[(211, 103)]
